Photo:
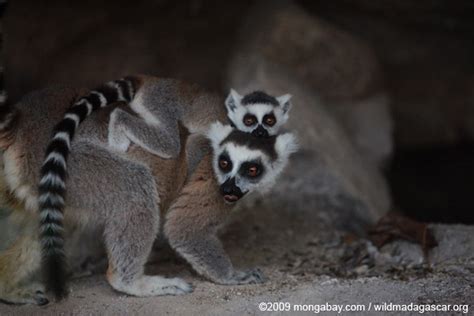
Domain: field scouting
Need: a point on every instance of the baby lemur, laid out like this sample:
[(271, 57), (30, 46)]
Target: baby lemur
[(123, 192), (161, 103)]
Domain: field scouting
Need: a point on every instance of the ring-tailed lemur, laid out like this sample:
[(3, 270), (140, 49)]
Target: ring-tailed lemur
[(161, 104), (124, 192)]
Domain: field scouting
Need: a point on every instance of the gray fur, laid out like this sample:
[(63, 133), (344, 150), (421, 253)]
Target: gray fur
[(119, 194), (126, 128), (130, 221), (161, 104)]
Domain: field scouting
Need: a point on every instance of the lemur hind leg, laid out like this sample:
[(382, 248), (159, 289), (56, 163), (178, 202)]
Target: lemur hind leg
[(129, 242), (130, 225), (159, 138), (191, 226), (18, 266)]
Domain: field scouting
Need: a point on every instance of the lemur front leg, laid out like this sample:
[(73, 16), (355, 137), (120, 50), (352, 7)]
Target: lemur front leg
[(158, 137), (204, 252), (191, 226)]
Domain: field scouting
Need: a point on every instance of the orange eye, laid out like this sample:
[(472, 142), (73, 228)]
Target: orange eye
[(249, 120), (223, 164), (253, 171), (269, 120)]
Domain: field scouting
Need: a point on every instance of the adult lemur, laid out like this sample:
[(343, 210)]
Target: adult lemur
[(161, 105), (123, 193)]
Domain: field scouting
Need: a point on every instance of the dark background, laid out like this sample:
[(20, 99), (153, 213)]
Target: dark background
[(425, 49)]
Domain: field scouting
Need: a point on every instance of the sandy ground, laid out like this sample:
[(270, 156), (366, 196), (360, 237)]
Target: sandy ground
[(305, 261)]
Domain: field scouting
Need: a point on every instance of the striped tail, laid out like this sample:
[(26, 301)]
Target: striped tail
[(7, 112), (52, 186)]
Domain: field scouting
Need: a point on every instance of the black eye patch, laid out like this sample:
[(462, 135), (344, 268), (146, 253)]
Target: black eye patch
[(252, 169), (249, 120), (224, 163)]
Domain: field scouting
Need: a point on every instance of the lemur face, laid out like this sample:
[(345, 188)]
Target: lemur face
[(257, 112), (244, 163)]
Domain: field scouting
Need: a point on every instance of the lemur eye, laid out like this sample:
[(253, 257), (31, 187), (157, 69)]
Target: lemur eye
[(224, 164), (249, 120), (269, 119), (253, 171)]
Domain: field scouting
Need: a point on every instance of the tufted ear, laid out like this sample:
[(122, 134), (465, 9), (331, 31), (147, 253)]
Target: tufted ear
[(233, 100), (217, 133), (285, 103), (285, 145)]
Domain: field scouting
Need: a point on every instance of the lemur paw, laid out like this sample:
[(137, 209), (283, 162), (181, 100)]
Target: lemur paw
[(252, 276), (154, 286), (31, 294), (177, 286)]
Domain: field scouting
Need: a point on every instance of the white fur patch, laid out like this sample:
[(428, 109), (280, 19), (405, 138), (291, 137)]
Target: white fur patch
[(217, 132), (117, 87), (285, 145), (54, 156), (233, 100), (116, 137), (103, 100), (259, 110), (54, 179), (74, 117), (284, 101), (51, 226), (83, 102), (53, 213), (54, 198), (65, 137)]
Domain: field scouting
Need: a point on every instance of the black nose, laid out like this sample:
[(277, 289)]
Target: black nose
[(260, 131), (230, 188)]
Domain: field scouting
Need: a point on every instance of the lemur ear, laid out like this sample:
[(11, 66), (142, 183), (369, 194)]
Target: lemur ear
[(233, 100), (285, 103), (285, 145), (217, 133)]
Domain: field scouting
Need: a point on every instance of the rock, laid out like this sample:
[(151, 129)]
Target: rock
[(426, 60), (455, 242), (331, 172), (339, 69)]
